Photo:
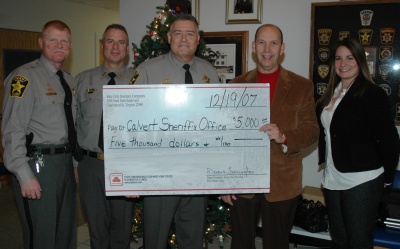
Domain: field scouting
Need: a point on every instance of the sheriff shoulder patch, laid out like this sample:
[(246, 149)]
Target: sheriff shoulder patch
[(18, 86), (134, 77)]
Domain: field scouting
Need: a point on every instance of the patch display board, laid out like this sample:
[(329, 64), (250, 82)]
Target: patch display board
[(375, 25)]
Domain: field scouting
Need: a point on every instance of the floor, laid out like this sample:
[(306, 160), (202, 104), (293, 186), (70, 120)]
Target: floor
[(83, 242)]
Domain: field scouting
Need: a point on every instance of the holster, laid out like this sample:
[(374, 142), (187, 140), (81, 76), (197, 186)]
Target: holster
[(28, 144), (78, 153)]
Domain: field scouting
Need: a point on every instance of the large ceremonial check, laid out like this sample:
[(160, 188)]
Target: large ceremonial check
[(186, 139)]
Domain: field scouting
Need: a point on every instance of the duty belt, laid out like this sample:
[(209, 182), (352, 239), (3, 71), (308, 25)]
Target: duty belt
[(97, 155), (51, 149)]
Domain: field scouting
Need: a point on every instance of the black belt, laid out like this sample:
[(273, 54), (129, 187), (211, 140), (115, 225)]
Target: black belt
[(97, 155), (51, 150)]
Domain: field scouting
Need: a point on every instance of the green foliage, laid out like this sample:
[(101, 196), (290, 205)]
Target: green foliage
[(218, 221)]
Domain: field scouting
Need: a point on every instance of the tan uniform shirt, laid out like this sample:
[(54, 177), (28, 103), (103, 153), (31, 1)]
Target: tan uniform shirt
[(166, 69), (90, 102), (33, 102)]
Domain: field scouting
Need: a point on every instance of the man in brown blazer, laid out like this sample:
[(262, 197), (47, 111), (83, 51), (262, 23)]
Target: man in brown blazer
[(293, 127)]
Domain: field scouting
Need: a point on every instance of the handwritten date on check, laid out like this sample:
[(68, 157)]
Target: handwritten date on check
[(186, 139)]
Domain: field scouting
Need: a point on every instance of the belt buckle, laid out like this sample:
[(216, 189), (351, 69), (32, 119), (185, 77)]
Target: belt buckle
[(100, 156)]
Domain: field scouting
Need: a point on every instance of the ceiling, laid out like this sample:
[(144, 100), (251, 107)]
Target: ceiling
[(107, 4)]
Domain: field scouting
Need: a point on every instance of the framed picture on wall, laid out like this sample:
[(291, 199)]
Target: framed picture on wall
[(243, 11), (228, 52), (195, 9), (185, 6), (14, 58), (374, 24)]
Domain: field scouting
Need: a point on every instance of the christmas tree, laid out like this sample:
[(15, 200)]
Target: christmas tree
[(155, 41), (153, 44)]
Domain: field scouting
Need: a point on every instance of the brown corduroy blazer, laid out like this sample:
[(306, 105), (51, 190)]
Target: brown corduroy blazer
[(293, 111)]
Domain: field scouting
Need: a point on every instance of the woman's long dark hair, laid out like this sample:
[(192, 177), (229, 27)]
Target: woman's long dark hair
[(363, 78)]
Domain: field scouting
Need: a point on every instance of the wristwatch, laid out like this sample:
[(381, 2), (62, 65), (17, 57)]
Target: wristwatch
[(284, 144)]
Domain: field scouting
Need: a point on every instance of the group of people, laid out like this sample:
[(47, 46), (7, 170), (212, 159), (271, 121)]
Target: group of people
[(358, 142), (51, 124)]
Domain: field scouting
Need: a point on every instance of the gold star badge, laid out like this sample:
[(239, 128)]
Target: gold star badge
[(365, 36), (19, 84)]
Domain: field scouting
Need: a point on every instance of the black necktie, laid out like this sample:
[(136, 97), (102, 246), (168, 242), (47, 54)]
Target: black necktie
[(101, 135), (188, 75), (68, 110)]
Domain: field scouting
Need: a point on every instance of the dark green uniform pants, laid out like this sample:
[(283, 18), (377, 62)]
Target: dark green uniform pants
[(51, 221), (109, 217)]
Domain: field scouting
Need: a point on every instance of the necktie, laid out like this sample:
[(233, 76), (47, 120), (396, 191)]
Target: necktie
[(101, 135), (68, 110), (188, 75)]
